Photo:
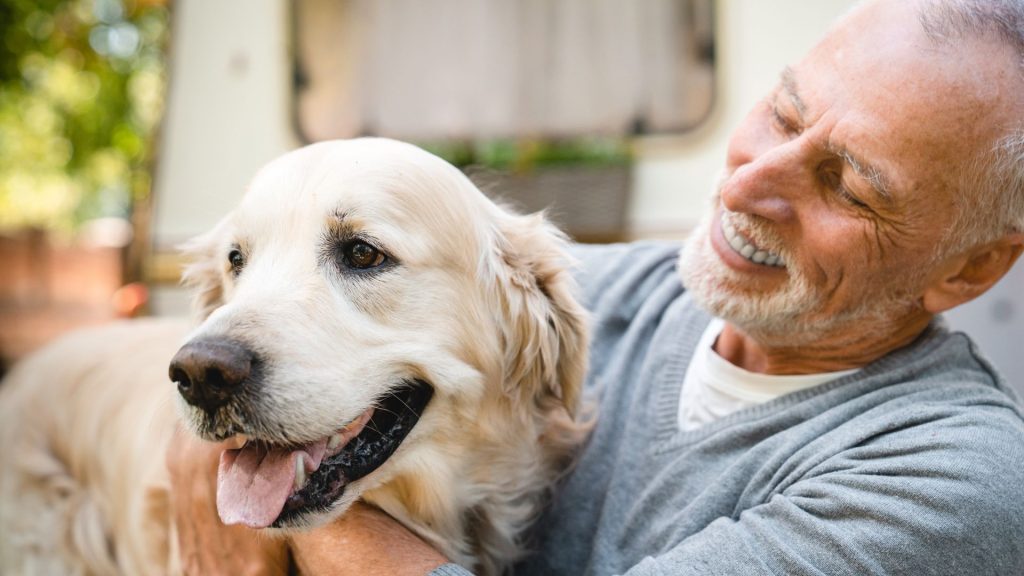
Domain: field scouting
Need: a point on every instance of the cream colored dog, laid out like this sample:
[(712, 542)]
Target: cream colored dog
[(372, 327)]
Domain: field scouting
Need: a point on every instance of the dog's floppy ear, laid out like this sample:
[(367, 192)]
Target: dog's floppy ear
[(203, 271), (545, 329)]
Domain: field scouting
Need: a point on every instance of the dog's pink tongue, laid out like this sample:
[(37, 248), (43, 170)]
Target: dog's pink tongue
[(254, 481)]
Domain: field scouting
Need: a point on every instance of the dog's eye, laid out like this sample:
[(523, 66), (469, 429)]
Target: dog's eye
[(360, 255), (236, 260)]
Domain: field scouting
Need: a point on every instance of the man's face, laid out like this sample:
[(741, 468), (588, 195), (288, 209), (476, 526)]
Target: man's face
[(846, 174)]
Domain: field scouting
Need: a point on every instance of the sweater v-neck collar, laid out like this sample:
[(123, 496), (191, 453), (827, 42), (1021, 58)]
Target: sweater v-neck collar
[(685, 323)]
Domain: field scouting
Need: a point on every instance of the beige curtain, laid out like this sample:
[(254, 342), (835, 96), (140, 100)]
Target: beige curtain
[(434, 69)]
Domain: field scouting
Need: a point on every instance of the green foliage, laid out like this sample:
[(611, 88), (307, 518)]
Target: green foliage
[(527, 154), (81, 91)]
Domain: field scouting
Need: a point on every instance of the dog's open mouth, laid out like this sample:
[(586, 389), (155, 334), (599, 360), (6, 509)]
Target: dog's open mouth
[(263, 485)]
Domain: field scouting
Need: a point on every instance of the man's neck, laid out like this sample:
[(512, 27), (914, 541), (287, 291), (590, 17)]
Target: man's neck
[(840, 351)]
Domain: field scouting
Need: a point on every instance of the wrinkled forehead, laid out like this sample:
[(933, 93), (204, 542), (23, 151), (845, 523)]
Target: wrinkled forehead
[(384, 189)]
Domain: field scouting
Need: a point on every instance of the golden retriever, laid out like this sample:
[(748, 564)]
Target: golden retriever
[(372, 326)]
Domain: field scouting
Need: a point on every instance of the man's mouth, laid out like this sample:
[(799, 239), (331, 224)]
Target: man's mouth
[(746, 248), (262, 485)]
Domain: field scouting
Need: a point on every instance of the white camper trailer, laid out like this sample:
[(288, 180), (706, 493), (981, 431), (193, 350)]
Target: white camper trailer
[(235, 101)]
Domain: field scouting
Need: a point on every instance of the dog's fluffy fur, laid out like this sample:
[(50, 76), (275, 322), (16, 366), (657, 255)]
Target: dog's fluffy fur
[(474, 300)]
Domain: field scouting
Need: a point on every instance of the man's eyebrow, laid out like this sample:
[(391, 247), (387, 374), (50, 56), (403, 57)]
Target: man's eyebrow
[(789, 85), (875, 177)]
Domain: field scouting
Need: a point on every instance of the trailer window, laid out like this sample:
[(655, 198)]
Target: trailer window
[(533, 88)]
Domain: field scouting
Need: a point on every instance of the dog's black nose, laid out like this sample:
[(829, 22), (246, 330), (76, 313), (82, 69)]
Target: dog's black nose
[(209, 372)]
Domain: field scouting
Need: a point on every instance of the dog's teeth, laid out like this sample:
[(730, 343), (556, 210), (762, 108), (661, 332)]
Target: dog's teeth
[(334, 442), (300, 472)]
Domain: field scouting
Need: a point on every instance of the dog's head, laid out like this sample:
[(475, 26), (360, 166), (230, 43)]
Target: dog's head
[(363, 304)]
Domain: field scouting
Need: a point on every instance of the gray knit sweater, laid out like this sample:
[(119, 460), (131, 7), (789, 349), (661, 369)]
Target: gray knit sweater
[(912, 465)]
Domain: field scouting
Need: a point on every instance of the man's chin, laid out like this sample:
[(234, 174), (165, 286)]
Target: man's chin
[(774, 314)]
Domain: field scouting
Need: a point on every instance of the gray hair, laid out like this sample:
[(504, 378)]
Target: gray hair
[(991, 199)]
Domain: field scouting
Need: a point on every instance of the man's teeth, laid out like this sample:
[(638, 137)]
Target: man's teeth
[(300, 472), (744, 247)]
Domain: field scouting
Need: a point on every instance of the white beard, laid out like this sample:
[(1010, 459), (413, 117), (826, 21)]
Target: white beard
[(788, 315)]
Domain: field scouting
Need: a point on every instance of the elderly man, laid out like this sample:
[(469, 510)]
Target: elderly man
[(794, 405)]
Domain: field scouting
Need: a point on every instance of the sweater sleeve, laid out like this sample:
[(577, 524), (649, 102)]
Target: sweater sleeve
[(613, 275), (942, 497), (616, 281), (450, 570)]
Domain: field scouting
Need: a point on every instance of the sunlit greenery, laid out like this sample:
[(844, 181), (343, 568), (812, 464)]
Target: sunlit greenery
[(81, 90), (527, 154)]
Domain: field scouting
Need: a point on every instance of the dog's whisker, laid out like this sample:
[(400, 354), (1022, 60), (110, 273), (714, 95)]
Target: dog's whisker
[(399, 398), (383, 409)]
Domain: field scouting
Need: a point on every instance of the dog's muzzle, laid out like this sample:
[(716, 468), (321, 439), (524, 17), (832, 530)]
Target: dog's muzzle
[(265, 482)]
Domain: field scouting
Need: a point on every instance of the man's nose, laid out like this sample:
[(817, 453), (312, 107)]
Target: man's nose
[(209, 372), (768, 184)]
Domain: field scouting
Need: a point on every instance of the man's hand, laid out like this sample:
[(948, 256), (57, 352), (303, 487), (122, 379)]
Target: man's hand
[(208, 547), (367, 542)]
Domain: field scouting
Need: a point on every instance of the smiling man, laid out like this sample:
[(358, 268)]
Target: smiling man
[(795, 405)]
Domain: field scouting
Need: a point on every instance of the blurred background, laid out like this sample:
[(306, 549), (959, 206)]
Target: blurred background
[(129, 126), (82, 88)]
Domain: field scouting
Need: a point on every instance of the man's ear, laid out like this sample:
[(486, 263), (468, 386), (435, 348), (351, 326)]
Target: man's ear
[(970, 274)]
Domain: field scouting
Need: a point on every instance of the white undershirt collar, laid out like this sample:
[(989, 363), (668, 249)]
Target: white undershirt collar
[(714, 387)]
